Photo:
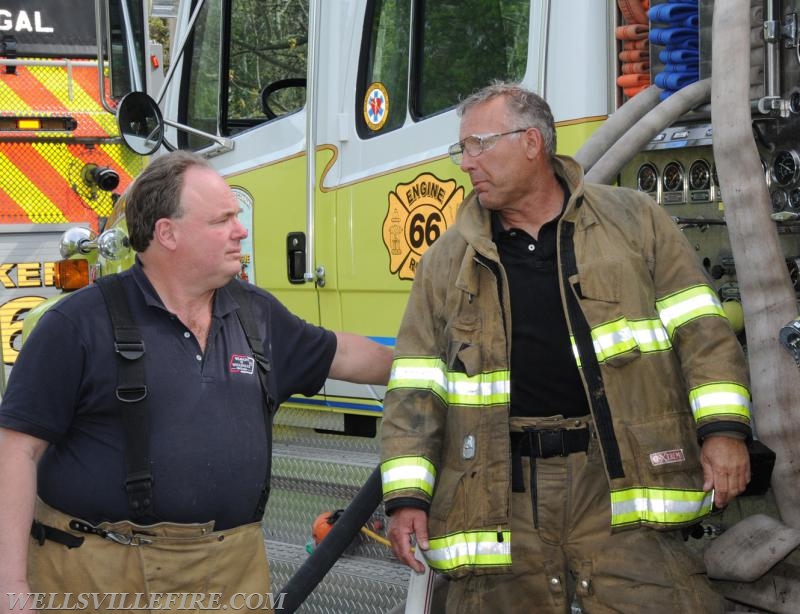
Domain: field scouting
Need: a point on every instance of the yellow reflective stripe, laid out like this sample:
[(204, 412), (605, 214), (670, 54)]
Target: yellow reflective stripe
[(575, 351), (682, 307), (408, 472), (469, 549), (659, 505), (720, 399), (453, 387), (620, 336), (650, 335)]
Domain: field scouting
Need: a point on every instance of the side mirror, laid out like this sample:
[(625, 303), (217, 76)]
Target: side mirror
[(140, 123)]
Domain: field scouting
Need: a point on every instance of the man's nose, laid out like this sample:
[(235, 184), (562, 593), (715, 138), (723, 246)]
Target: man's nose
[(467, 161), (240, 230)]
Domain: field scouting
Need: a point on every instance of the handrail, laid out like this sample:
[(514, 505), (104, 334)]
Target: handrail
[(322, 559)]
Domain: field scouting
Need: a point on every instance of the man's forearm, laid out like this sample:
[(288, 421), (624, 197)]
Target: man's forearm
[(19, 455), (361, 360)]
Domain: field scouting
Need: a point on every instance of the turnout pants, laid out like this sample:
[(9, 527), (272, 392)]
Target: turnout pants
[(205, 569), (571, 551)]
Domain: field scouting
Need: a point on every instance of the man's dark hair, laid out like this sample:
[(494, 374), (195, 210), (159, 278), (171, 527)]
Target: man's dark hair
[(156, 194)]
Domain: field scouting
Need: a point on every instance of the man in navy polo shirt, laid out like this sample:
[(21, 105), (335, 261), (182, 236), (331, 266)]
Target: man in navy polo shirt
[(208, 441)]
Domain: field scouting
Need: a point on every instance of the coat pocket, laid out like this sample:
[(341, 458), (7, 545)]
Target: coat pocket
[(449, 502), (598, 287), (666, 446), (464, 350), (599, 280)]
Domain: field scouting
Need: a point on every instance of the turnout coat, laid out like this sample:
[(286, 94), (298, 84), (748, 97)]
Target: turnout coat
[(660, 365)]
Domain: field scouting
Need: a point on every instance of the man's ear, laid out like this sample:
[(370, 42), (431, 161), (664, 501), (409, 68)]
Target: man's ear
[(534, 142), (164, 233)]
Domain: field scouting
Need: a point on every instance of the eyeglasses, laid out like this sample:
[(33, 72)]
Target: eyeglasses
[(476, 144)]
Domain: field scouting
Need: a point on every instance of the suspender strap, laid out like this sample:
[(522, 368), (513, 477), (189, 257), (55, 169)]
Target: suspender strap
[(591, 368), (132, 392), (246, 319)]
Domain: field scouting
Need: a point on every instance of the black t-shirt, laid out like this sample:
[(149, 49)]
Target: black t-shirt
[(208, 444), (544, 375)]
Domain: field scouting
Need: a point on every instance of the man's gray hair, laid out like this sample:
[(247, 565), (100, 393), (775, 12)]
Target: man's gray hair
[(156, 194), (528, 109)]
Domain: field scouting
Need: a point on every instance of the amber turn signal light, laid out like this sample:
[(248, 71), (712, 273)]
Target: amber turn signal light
[(71, 274)]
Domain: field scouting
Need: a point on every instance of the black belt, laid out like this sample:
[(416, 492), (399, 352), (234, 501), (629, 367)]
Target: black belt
[(545, 443), (542, 443)]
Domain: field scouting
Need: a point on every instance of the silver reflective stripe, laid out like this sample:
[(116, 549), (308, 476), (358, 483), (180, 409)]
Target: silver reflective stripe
[(659, 505), (720, 399), (620, 336), (453, 387), (408, 472), (688, 305), (470, 549)]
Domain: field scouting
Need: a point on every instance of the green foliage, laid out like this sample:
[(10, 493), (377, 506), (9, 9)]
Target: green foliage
[(269, 42), (466, 44), (159, 32)]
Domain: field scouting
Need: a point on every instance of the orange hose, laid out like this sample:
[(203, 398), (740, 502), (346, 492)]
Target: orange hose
[(633, 80), (630, 92), (640, 44), (634, 55), (633, 11), (632, 32), (628, 68)]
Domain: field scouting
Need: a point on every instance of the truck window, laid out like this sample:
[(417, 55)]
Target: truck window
[(455, 47), (120, 76), (248, 65), (386, 60)]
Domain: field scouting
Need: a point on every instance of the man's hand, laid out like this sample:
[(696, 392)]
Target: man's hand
[(726, 467), (403, 523)]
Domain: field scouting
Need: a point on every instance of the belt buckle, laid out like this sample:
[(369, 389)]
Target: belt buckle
[(551, 442)]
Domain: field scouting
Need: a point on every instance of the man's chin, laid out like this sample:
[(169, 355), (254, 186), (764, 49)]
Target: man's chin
[(485, 202)]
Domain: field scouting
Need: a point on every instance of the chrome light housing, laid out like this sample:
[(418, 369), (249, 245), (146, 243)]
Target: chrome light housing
[(113, 244), (77, 240)]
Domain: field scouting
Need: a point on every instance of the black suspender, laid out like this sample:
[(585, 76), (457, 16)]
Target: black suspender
[(245, 314), (132, 391), (591, 368)]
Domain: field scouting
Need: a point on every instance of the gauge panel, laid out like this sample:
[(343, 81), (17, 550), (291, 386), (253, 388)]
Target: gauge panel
[(699, 175), (700, 181), (672, 181), (647, 178), (780, 199), (786, 167), (794, 199)]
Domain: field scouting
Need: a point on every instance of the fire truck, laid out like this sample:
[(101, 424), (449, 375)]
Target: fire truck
[(331, 121), (62, 161)]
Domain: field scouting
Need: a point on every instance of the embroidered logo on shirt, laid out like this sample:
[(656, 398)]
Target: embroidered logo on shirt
[(242, 364), (666, 457)]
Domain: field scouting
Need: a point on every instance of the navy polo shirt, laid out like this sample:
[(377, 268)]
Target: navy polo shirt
[(544, 375), (208, 441)]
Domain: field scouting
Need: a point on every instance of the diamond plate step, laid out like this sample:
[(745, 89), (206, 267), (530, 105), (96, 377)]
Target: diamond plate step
[(317, 472), (355, 585), (314, 472)]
